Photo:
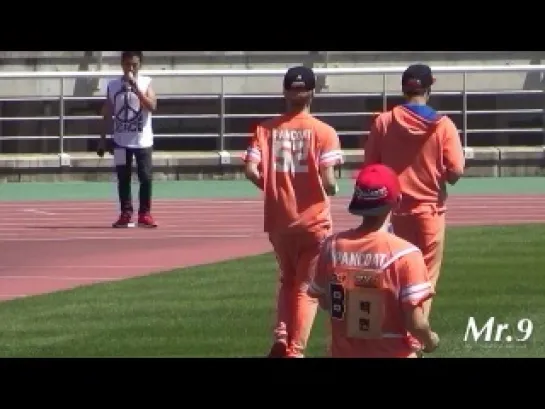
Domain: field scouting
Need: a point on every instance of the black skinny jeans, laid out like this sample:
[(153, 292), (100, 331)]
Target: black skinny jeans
[(143, 158)]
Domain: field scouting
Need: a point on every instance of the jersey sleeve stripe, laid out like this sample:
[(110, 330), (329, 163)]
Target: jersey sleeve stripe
[(415, 288), (315, 289), (415, 292), (253, 154), (418, 297), (400, 254), (331, 156)]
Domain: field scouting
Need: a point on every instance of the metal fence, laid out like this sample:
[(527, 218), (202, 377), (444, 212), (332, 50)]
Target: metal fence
[(222, 96)]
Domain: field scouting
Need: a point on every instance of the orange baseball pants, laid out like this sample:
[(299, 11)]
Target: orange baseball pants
[(297, 255), (427, 232)]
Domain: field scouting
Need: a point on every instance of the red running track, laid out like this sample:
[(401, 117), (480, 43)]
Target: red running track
[(48, 246)]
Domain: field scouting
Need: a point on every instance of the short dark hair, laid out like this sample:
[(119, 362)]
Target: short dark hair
[(417, 93), (130, 54)]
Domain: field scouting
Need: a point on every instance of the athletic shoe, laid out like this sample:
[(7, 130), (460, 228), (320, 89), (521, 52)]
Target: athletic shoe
[(278, 350), (145, 220), (125, 219)]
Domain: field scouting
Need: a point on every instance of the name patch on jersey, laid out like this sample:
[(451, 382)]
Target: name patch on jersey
[(291, 134), (367, 279), (372, 261)]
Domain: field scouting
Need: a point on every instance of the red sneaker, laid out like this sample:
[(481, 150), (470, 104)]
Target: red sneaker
[(125, 219), (294, 352), (145, 220)]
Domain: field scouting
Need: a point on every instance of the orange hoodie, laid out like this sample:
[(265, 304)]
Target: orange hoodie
[(421, 151)]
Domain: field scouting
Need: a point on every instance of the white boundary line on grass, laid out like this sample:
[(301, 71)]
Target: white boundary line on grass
[(154, 237), (62, 278)]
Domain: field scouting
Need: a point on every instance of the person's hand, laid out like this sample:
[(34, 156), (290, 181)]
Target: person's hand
[(101, 148), (333, 190), (131, 79), (323, 303), (434, 338)]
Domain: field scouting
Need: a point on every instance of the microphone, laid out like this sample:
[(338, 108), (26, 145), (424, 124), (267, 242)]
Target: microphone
[(127, 79)]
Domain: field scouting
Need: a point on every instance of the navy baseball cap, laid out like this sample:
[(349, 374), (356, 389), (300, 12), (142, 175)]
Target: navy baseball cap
[(417, 77), (299, 78)]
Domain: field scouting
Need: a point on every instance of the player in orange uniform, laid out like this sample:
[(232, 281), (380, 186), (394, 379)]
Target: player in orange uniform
[(424, 149), (371, 282), (292, 158)]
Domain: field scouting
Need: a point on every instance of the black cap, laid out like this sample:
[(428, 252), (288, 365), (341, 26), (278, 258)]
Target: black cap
[(299, 78), (417, 77)]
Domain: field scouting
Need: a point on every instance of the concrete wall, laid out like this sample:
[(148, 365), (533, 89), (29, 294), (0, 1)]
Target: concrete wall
[(156, 60), (484, 162)]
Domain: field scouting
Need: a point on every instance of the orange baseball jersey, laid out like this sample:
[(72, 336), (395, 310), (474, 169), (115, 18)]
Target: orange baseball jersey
[(291, 149), (368, 278), (420, 151)]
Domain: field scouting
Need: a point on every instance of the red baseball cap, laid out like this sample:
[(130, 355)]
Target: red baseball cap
[(376, 191)]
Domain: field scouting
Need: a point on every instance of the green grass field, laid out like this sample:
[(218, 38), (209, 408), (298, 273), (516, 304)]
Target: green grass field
[(226, 310)]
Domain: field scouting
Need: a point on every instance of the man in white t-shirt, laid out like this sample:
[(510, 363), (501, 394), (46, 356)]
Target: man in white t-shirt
[(127, 112)]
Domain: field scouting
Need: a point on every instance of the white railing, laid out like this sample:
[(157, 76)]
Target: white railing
[(224, 76)]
